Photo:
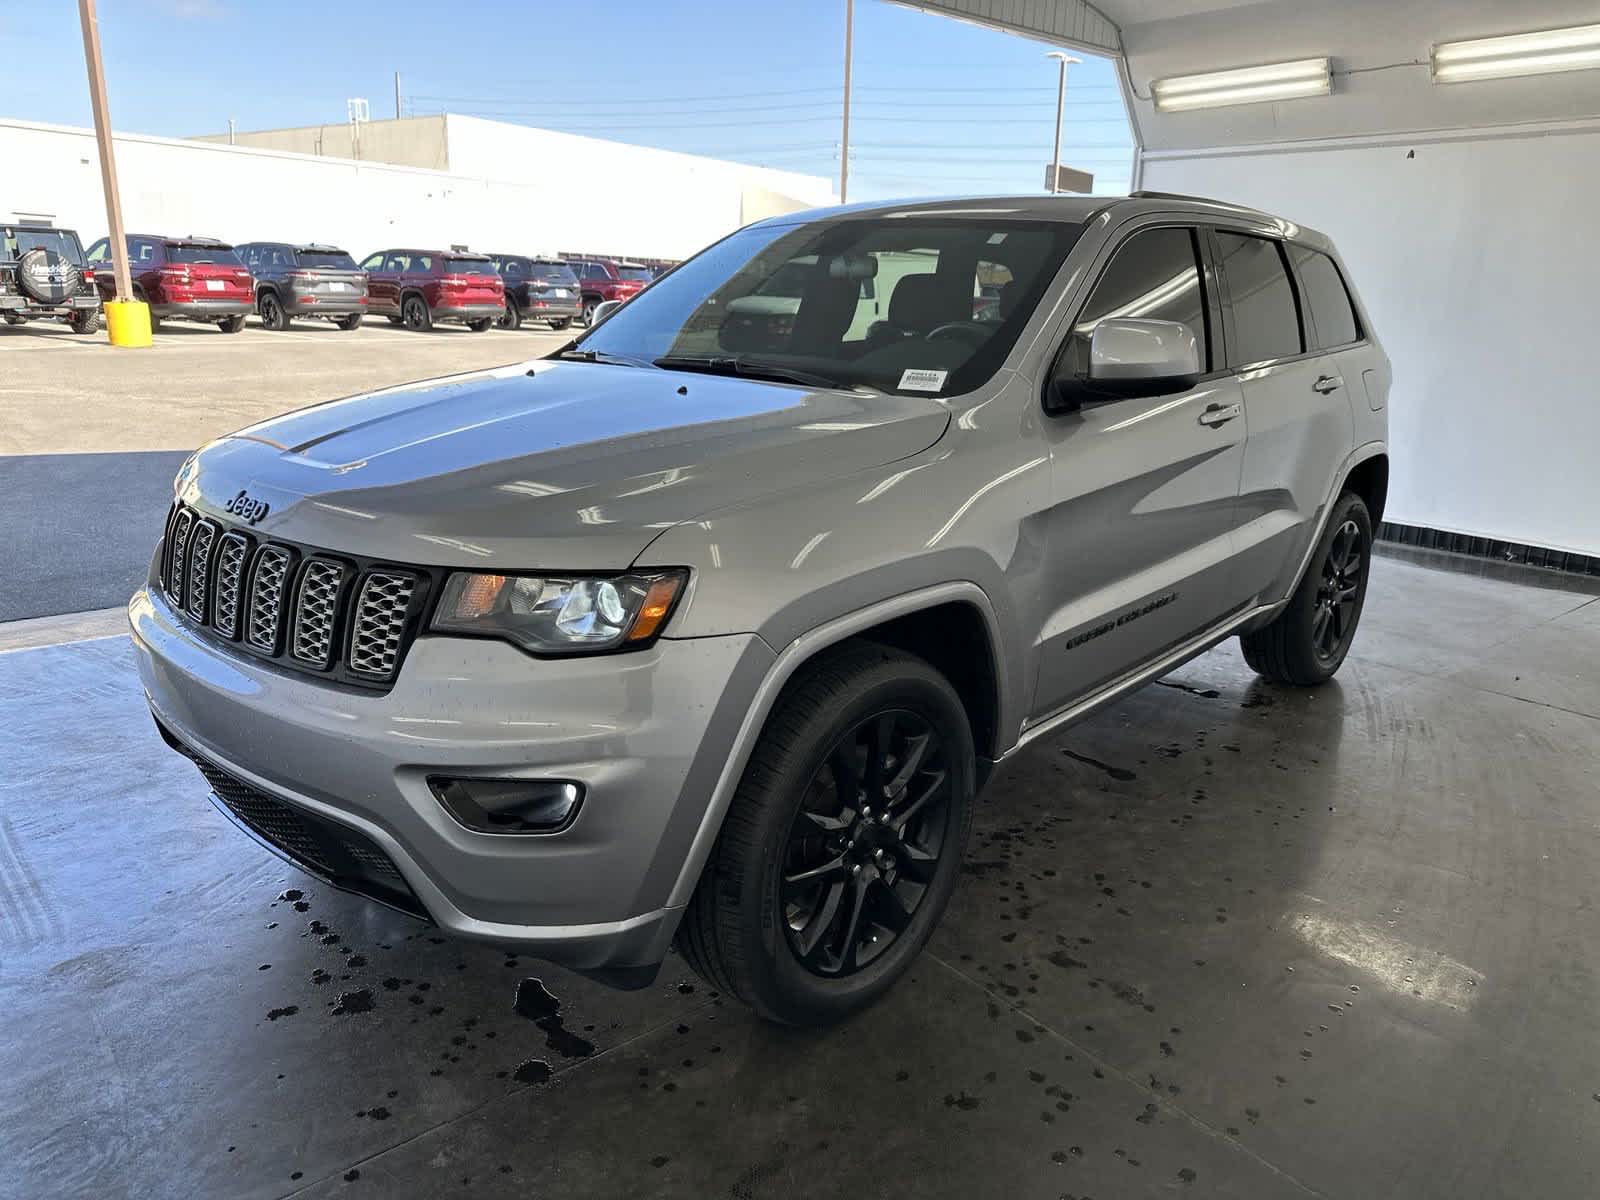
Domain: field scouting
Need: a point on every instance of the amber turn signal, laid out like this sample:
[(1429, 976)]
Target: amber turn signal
[(657, 604)]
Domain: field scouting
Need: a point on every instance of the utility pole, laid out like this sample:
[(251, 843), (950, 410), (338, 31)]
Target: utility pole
[(1061, 95), (127, 321), (230, 131), (844, 141), (397, 95)]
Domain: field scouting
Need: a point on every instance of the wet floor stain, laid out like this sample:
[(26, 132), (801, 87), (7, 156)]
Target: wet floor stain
[(358, 1001), (1121, 774), (288, 1010), (534, 1070), (1203, 693), (535, 1002)]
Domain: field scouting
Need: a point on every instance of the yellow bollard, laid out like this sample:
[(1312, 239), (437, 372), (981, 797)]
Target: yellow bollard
[(128, 322)]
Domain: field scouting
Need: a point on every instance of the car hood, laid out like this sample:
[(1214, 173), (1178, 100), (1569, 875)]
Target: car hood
[(574, 466)]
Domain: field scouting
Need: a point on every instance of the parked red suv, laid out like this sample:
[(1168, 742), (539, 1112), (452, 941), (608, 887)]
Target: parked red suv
[(417, 288), (181, 278), (607, 279)]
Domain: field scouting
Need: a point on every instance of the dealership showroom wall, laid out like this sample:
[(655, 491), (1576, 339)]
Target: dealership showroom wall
[(493, 752)]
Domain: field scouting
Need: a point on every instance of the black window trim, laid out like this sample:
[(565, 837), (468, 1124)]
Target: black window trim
[(1361, 337), (1301, 317), (1201, 243)]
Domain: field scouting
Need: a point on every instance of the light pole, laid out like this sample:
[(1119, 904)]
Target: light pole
[(844, 138), (1063, 59)]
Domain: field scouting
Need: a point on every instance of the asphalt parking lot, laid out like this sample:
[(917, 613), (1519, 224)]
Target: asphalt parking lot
[(91, 434)]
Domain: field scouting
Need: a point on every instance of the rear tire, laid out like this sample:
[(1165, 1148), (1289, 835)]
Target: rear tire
[(353, 321), (415, 314), (13, 319), (480, 325), (787, 936), (86, 320), (588, 311), (231, 324), (560, 323), (394, 320), (1306, 643), (273, 315), (511, 318)]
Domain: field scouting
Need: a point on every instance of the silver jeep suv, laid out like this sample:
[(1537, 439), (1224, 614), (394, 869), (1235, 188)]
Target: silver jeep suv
[(709, 627)]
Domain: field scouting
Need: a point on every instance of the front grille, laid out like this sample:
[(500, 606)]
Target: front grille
[(328, 849), (342, 617)]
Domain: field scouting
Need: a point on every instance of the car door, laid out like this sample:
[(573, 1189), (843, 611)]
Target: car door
[(1139, 541), (1296, 407), (380, 285)]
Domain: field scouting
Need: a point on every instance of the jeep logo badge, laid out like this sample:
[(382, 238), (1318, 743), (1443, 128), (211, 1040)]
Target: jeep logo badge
[(246, 509)]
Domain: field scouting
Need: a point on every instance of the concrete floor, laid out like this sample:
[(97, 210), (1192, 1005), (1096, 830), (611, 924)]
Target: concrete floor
[(1222, 940)]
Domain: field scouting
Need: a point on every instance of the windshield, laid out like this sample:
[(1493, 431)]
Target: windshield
[(188, 252), (470, 266), (337, 259), (886, 303), (556, 273), (18, 242), (642, 274)]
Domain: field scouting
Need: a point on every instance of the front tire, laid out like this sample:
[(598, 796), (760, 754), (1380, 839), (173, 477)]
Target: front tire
[(1306, 643), (353, 321), (843, 842), (557, 324), (480, 325), (588, 312), (511, 318)]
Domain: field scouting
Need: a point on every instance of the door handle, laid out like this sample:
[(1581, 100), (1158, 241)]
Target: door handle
[(1326, 384), (1220, 414)]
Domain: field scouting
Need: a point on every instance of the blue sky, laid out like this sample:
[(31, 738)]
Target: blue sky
[(940, 106)]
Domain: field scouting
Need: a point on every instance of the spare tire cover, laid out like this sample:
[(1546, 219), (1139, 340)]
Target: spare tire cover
[(47, 276)]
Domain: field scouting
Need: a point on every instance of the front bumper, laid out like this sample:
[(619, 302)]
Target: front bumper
[(646, 733), (203, 310)]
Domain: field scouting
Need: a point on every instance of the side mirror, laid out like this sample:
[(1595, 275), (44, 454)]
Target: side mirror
[(604, 309), (1129, 358)]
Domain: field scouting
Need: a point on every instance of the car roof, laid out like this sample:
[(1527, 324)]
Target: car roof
[(1074, 209)]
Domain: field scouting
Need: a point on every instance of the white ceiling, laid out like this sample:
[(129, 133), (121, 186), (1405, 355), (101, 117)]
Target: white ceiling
[(1379, 49)]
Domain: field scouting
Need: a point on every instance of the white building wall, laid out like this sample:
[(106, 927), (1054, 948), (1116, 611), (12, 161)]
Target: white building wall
[(516, 198), (1474, 253)]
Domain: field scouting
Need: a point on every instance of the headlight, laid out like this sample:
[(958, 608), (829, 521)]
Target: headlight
[(553, 614)]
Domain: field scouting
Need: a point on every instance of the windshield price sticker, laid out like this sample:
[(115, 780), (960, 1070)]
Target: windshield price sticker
[(915, 380)]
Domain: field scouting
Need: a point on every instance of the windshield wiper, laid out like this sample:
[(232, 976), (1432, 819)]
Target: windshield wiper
[(733, 365), (600, 356)]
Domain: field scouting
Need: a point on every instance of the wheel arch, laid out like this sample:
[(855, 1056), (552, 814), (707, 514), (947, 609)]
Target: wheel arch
[(1369, 479), (907, 621)]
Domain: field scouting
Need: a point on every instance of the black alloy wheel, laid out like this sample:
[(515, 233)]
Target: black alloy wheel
[(865, 844), (273, 315), (511, 318), (1339, 596), (588, 311), (414, 312)]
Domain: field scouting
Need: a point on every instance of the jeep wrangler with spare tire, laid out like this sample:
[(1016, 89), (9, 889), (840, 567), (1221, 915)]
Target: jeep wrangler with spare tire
[(43, 275), (707, 628)]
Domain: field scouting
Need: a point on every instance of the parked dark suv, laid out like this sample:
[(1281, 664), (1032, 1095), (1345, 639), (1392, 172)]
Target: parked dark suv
[(43, 274), (305, 281), (418, 288), (181, 278), (537, 289), (605, 279)]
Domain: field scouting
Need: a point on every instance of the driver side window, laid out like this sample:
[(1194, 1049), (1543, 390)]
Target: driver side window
[(1154, 275)]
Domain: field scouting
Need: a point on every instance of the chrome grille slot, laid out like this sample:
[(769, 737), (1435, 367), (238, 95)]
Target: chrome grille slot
[(176, 557), (380, 621), (315, 610), (202, 541), (232, 556), (269, 580)]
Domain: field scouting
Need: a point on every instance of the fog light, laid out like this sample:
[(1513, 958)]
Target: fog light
[(509, 805)]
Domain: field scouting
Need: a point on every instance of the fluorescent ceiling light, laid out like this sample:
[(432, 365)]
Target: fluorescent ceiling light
[(1573, 49), (1246, 85)]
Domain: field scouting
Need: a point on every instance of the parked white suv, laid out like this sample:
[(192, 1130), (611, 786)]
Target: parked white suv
[(711, 625)]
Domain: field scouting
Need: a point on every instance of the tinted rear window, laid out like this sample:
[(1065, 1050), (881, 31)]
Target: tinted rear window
[(551, 272), (17, 242), (469, 266), (642, 274), (184, 252), (336, 259), (1331, 311)]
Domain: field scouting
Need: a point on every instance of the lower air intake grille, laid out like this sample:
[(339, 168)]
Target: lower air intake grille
[(326, 848)]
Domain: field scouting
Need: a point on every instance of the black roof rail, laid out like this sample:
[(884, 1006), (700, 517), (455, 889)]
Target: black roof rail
[(1144, 195)]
